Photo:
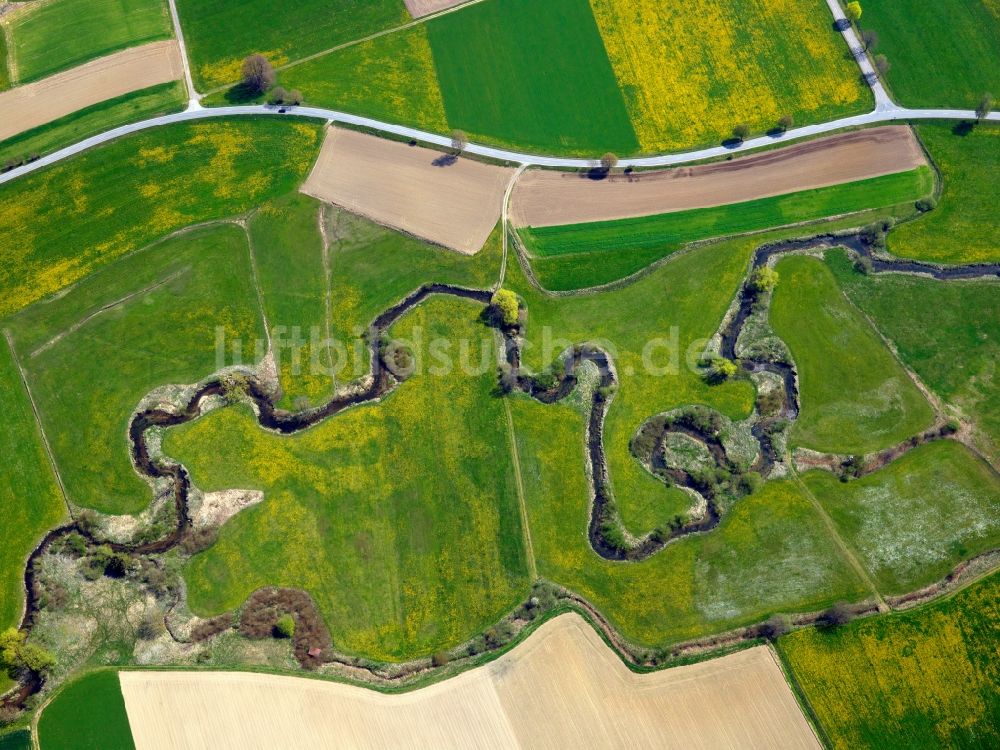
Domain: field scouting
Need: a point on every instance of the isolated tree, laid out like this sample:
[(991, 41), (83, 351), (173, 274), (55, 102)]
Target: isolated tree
[(278, 95), (853, 11), (17, 655), (741, 131), (764, 279), (459, 140), (882, 64), (258, 75), (285, 626), (505, 304), (775, 627), (720, 370), (608, 161), (869, 38), (985, 107), (786, 122)]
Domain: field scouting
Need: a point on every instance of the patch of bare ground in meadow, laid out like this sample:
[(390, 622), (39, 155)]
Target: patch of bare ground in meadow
[(563, 687), (549, 198), (450, 201), (421, 8), (26, 107)]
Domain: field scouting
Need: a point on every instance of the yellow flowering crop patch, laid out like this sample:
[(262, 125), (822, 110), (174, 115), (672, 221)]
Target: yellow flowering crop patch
[(691, 71)]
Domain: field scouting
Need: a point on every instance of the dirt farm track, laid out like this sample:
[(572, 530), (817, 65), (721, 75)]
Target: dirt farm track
[(34, 104), (548, 198), (561, 688)]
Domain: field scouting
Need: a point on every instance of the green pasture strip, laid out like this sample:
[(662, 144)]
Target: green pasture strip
[(19, 739), (60, 224), (912, 522), (87, 714), (122, 110), (4, 72), (533, 74), (29, 496), (962, 229), (220, 34), (149, 320), (942, 54), (855, 397), (288, 250), (391, 78), (927, 678), (667, 316), (400, 518), (771, 553), (667, 232), (62, 34), (373, 268), (948, 332)]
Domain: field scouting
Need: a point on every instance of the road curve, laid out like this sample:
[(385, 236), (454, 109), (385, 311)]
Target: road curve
[(197, 112)]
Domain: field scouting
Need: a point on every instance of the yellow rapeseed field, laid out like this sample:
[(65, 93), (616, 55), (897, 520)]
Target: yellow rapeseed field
[(691, 71)]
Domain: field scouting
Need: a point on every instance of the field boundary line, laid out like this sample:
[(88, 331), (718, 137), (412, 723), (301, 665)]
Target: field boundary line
[(256, 282), (525, 526), (327, 287), (105, 308), (11, 61), (505, 219), (175, 20), (38, 422), (838, 540)]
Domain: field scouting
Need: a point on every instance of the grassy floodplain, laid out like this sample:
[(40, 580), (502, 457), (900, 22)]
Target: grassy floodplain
[(61, 224), (400, 518), (770, 554), (575, 256), (691, 71), (942, 54), (962, 229), (927, 678), (912, 522), (293, 274), (390, 78), (87, 714), (167, 303), (529, 73), (56, 35), (855, 396), (139, 105), (220, 34), (951, 339), (29, 495)]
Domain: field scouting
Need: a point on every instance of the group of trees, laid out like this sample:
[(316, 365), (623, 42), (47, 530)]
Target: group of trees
[(259, 78)]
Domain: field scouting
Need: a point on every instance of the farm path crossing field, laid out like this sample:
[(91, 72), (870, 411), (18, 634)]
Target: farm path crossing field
[(549, 198), (563, 687), (120, 73), (449, 201)]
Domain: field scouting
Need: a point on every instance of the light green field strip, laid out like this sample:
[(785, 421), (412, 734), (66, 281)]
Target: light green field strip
[(30, 499), (855, 397), (53, 35)]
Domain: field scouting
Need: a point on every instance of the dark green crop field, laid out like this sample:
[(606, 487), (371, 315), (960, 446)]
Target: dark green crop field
[(88, 714), (519, 71)]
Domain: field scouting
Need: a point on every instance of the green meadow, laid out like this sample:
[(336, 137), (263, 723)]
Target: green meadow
[(855, 397), (912, 522), (942, 54), (60, 34), (29, 494), (151, 319)]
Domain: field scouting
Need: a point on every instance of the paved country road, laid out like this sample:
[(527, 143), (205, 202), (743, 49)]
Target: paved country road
[(197, 112)]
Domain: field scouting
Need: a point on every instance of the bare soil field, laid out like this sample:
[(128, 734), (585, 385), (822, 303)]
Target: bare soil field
[(563, 687), (421, 8), (451, 202), (547, 198), (37, 103)]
